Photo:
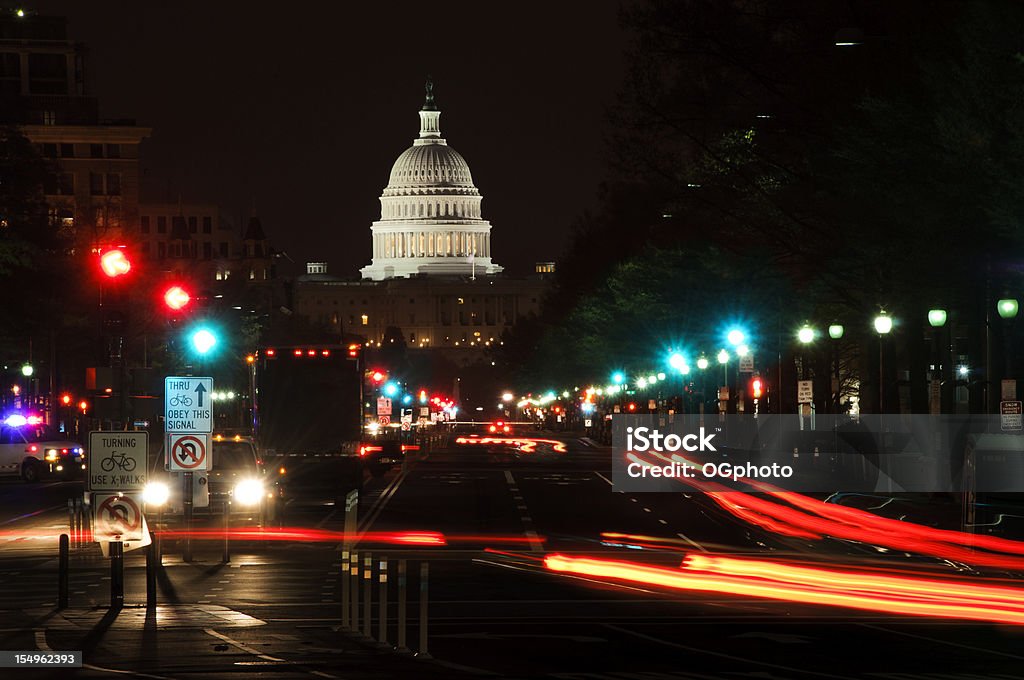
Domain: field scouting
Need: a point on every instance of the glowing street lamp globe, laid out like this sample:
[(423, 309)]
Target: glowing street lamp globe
[(806, 335), (723, 357), (1007, 308), (883, 324), (702, 363), (835, 331), (937, 318)]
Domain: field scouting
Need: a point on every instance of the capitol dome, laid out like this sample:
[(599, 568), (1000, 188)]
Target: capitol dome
[(430, 211), (430, 165)]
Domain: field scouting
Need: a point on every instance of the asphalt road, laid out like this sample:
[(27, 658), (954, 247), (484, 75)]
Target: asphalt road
[(275, 608)]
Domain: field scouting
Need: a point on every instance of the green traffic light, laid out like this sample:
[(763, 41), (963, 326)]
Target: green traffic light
[(203, 341)]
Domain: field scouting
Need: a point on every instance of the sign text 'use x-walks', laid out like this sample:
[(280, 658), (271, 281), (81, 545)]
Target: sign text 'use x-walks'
[(187, 405), (118, 460)]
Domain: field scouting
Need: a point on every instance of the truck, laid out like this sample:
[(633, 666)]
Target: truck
[(308, 399), (307, 418)]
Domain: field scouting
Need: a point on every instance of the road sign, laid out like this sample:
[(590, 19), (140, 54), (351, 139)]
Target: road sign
[(747, 363), (407, 417), (406, 425), (424, 411), (587, 423), (1010, 418), (383, 407), (187, 407), (383, 420), (117, 517), (118, 460), (1009, 390), (188, 452), (805, 391)]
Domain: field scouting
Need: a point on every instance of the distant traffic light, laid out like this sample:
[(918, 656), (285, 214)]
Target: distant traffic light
[(115, 263), (176, 298), (65, 399), (378, 377), (631, 407), (756, 387)]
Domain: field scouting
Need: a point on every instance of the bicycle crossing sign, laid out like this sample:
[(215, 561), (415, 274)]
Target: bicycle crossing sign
[(187, 405), (188, 452), (118, 460), (118, 517)]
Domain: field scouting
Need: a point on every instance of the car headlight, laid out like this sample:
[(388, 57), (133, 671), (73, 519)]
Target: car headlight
[(155, 494), (248, 492)]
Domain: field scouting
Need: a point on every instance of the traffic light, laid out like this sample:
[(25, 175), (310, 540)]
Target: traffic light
[(176, 298), (756, 387), (203, 340), (65, 399), (115, 263), (378, 377), (631, 407)]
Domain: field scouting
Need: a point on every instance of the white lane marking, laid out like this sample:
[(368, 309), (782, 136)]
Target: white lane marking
[(662, 521), (692, 542), (723, 655), (535, 544), (382, 500), (240, 645), (604, 478)]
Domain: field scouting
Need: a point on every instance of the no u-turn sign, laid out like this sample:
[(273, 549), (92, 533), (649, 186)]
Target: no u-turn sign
[(188, 452)]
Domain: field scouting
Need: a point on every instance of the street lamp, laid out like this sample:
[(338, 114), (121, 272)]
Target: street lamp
[(883, 325), (835, 331), (736, 337), (936, 319), (806, 335), (27, 370), (702, 362), (1007, 308)]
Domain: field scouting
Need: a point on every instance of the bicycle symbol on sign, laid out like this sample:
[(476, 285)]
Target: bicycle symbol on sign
[(118, 460), (180, 400)]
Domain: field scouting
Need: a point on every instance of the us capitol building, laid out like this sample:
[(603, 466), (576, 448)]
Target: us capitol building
[(431, 277)]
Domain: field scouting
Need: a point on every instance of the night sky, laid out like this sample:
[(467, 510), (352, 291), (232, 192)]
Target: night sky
[(300, 108)]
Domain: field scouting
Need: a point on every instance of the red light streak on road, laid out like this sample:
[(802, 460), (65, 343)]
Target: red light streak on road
[(524, 444), (1000, 610), (412, 538), (864, 581), (829, 520)]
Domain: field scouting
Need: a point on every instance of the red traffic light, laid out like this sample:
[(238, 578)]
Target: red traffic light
[(378, 377), (631, 407), (65, 399), (115, 263), (176, 298), (756, 388)]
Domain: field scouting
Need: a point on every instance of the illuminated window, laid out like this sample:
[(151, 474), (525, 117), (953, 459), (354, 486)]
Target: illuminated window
[(365, 319), (462, 301)]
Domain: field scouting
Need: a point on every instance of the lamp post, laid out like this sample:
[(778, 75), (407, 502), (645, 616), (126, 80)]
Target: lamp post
[(1008, 308), (702, 364), (936, 319), (883, 325), (835, 331), (806, 335), (723, 359)]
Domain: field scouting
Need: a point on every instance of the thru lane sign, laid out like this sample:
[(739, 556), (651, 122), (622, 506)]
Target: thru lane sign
[(187, 408)]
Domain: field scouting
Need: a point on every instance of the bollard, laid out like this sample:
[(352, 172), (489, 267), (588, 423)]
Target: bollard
[(116, 575), (401, 606), (62, 572), (382, 609), (152, 559), (355, 592), (368, 596), (344, 589), (424, 573)]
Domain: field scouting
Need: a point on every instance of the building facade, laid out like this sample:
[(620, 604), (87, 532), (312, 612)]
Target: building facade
[(94, 195), (432, 278)]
